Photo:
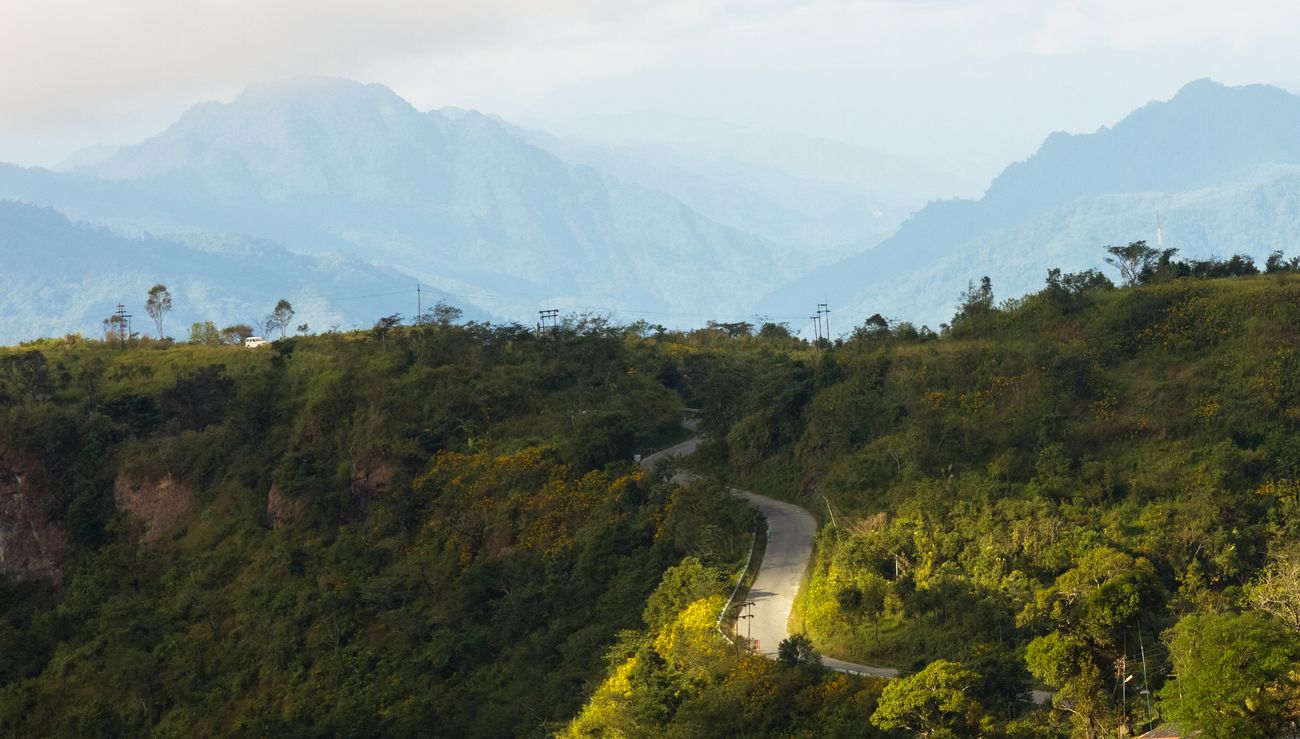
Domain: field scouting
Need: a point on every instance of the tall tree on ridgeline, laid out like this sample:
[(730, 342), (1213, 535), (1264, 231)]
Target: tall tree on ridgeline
[(157, 304)]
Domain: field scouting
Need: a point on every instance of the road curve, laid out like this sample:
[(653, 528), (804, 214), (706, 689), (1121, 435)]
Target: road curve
[(790, 531)]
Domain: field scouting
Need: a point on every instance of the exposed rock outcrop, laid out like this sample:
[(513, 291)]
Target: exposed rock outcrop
[(281, 509), (370, 480), (32, 546), (159, 502)]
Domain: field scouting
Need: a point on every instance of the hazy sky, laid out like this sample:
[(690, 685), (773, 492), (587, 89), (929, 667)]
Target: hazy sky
[(972, 82)]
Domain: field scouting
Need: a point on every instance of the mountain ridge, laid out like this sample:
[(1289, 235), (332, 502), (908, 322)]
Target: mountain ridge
[(1257, 126), (226, 280), (460, 202)]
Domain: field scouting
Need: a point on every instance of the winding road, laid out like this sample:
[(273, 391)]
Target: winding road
[(790, 531)]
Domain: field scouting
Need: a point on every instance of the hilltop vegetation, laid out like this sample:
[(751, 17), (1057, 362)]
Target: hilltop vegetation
[(439, 531), (63, 277), (1059, 488)]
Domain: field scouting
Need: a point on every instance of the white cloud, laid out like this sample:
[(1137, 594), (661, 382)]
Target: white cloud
[(1124, 25), (984, 76)]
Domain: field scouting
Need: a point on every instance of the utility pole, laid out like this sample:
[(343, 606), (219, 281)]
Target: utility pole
[(823, 308), (817, 326), (749, 624), (1121, 674), (1146, 687), (419, 306), (548, 321), (123, 321)]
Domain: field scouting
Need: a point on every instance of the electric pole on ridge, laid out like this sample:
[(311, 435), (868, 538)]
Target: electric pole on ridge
[(548, 321)]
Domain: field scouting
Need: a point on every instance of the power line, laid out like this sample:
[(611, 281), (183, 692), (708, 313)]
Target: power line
[(627, 312)]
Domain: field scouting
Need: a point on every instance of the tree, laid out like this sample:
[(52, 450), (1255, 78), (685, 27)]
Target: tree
[(975, 300), (26, 373), (280, 317), (866, 601), (205, 332), (656, 690), (733, 330), (1099, 599), (1132, 260), (1064, 662), (441, 314), (683, 584), (236, 334), (1236, 675), (875, 327), (797, 650), (873, 601), (157, 305), (773, 331), (1276, 589), (849, 600), (385, 325), (115, 327), (934, 702), (1277, 262)]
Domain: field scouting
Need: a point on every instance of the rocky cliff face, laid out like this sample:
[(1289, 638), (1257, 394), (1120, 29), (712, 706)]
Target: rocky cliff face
[(32, 546), (159, 502), (281, 509)]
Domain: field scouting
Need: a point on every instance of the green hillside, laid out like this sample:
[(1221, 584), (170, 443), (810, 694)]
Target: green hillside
[(1053, 491), (437, 532)]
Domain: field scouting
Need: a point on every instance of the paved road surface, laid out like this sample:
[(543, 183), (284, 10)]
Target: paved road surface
[(790, 532)]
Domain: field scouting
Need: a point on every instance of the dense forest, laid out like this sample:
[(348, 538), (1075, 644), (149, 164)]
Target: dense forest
[(1091, 490), (440, 529), (437, 530)]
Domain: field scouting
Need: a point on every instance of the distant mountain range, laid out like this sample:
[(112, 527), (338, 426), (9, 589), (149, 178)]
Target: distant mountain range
[(62, 278), (1217, 162), (810, 194), (325, 189), (456, 200)]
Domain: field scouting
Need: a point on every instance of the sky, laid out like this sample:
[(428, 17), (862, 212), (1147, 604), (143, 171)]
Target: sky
[(967, 84)]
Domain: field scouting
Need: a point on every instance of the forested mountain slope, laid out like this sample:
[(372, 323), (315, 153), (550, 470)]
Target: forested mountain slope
[(439, 529), (1052, 492), (434, 531)]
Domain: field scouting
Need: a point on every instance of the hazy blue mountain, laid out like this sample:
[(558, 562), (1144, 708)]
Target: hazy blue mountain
[(810, 193), (811, 216), (457, 199), (703, 143), (1255, 216), (62, 277), (1210, 146)]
